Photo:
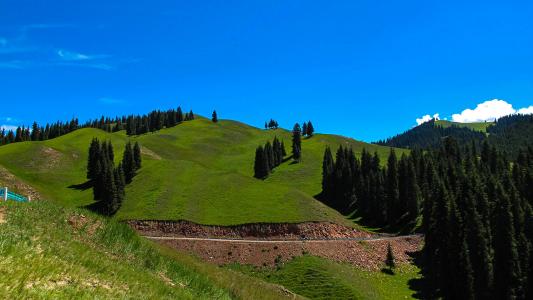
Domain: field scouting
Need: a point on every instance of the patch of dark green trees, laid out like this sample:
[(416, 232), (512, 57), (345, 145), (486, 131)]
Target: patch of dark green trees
[(109, 182)]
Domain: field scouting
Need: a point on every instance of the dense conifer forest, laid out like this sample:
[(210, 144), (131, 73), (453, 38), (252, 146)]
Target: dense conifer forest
[(475, 206), (133, 124)]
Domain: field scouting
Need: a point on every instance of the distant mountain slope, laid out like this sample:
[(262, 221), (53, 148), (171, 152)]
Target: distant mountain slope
[(430, 135), (507, 134), (198, 171), (512, 133), (479, 126)]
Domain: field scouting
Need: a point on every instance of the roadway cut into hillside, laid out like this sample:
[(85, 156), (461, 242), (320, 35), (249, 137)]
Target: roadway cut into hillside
[(271, 244)]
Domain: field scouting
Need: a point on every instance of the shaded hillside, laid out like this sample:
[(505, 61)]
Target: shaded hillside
[(198, 171), (512, 133), (508, 134), (431, 134)]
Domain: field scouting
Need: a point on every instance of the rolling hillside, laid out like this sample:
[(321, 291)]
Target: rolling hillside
[(430, 135), (508, 134), (198, 171), (75, 254)]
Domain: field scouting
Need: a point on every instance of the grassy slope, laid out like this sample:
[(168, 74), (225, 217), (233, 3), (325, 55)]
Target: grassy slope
[(481, 126), (98, 258), (317, 278), (201, 171)]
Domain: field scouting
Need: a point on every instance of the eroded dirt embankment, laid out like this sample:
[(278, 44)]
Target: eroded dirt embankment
[(271, 244), (368, 254), (309, 230)]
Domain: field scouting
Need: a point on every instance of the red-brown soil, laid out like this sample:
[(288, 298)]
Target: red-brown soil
[(368, 254), (268, 244), (309, 230)]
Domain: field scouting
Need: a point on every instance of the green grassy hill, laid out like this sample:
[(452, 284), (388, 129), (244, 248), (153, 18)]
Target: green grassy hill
[(318, 278), (52, 252), (198, 171), (480, 126)]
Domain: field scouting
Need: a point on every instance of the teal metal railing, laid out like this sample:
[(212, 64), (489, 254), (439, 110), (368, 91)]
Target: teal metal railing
[(7, 195)]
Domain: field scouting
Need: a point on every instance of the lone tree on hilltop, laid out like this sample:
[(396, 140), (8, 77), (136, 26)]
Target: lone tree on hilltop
[(310, 129), (214, 117), (297, 143)]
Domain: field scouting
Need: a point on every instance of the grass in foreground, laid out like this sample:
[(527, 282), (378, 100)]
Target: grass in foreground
[(198, 171), (53, 252), (318, 278)]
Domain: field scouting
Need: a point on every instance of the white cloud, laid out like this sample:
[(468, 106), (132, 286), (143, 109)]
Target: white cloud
[(487, 111), (74, 56), (66, 55), (526, 110), (427, 118), (8, 127)]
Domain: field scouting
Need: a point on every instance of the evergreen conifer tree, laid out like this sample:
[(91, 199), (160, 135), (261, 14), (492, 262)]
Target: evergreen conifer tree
[(214, 117), (297, 143), (304, 129), (260, 164), (128, 163), (310, 129), (137, 155)]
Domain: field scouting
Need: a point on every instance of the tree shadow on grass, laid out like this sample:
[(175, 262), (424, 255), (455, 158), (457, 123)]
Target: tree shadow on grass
[(417, 284), (387, 271), (95, 207), (81, 186)]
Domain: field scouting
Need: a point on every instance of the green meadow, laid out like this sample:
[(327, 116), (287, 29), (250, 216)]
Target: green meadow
[(198, 171)]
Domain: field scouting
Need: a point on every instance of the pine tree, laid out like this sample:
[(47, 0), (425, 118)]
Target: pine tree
[(328, 169), (297, 143), (283, 151), (310, 129), (179, 115), (390, 260), (137, 155), (109, 191), (35, 132), (93, 168), (304, 129), (260, 164), (506, 260), (393, 192), (269, 156), (214, 117), (120, 185), (128, 163)]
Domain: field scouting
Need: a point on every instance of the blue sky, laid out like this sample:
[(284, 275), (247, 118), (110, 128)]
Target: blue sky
[(365, 69)]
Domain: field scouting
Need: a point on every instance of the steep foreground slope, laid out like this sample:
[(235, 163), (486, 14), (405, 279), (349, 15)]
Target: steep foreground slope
[(198, 171), (53, 252)]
